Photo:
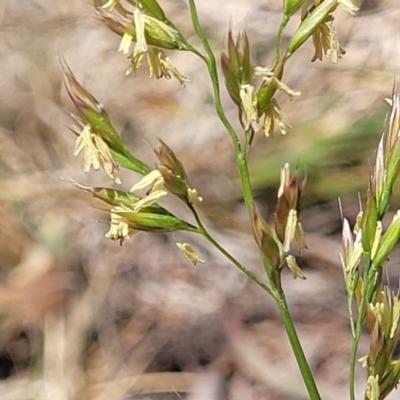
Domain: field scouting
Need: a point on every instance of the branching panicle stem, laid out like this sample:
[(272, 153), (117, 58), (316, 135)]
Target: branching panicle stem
[(241, 160), (204, 232)]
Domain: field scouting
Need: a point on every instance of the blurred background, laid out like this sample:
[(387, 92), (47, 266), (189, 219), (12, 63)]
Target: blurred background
[(82, 317)]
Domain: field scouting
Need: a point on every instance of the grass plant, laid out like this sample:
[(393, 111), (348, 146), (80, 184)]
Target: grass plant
[(149, 36)]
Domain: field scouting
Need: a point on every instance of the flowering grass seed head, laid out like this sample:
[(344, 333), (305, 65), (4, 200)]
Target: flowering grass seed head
[(326, 43), (318, 23), (120, 198), (266, 241), (174, 175), (253, 104), (97, 137), (369, 220), (157, 223), (288, 209), (387, 165), (310, 24), (350, 258), (379, 172), (84, 102), (391, 379), (96, 153), (169, 160), (236, 65), (347, 243), (382, 319), (275, 84), (146, 26), (125, 222), (388, 241), (248, 101), (268, 107)]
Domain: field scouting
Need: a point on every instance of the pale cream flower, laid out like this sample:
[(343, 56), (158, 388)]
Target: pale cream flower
[(139, 29), (395, 317), (348, 6), (300, 237), (248, 99), (110, 4), (153, 178), (119, 226), (193, 196), (190, 253), (90, 153), (141, 44), (378, 310), (263, 71), (168, 69), (284, 178), (377, 239), (364, 361), (326, 43), (273, 81), (372, 392), (355, 257), (159, 65), (148, 200), (274, 116), (96, 153), (294, 268), (291, 224), (135, 64), (140, 21), (125, 44), (156, 181)]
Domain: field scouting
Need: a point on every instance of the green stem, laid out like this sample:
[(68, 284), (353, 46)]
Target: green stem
[(297, 349), (369, 288), (204, 232), (249, 134), (351, 289), (246, 185), (248, 198), (212, 69), (350, 311), (279, 41), (354, 347)]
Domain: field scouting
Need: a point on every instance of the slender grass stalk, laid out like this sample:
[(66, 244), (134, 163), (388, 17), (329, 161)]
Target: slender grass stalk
[(202, 230), (212, 69), (350, 311), (279, 39), (359, 323), (249, 201), (354, 348), (297, 349), (282, 306)]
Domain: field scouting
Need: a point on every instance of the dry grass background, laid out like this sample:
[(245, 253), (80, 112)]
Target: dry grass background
[(81, 317)]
